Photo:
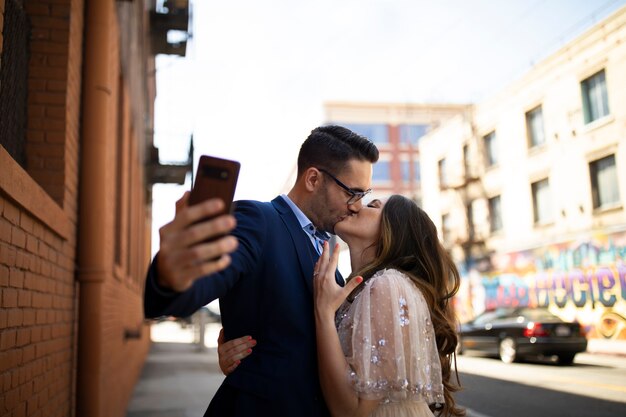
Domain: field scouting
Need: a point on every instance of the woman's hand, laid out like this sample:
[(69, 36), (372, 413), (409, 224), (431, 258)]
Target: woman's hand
[(328, 294), (232, 352)]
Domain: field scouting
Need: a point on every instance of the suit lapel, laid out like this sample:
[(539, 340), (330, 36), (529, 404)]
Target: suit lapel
[(306, 253)]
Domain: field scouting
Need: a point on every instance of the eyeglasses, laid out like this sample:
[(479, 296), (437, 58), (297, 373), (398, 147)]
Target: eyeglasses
[(355, 195)]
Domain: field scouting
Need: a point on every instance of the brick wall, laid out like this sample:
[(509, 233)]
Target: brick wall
[(42, 320)]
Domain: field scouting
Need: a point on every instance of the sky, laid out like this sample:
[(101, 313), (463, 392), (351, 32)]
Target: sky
[(257, 73)]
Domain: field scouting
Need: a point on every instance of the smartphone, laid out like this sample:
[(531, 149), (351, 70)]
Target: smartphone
[(215, 178)]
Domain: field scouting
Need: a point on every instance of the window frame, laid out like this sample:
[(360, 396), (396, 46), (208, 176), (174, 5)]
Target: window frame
[(532, 141), (596, 195), (589, 95)]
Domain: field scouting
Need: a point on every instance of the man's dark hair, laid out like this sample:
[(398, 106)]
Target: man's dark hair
[(332, 146)]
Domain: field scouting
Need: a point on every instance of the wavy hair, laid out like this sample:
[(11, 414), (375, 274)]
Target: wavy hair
[(409, 243)]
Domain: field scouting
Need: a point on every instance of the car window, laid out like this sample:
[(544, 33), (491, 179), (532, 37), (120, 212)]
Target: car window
[(537, 314), (486, 318)]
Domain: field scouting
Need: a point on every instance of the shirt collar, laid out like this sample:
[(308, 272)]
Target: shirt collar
[(304, 221)]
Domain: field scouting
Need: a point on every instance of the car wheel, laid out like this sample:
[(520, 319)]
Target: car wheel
[(566, 358), (508, 350)]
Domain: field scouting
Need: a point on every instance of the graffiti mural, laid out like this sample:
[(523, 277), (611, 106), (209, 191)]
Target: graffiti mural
[(578, 280)]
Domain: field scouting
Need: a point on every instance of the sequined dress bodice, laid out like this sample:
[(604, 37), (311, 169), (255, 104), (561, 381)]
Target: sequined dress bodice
[(389, 342)]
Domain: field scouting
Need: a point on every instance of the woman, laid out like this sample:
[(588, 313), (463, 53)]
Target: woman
[(394, 334), (385, 340)]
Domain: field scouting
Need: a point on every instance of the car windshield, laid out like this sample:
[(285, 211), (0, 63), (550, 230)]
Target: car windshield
[(537, 314)]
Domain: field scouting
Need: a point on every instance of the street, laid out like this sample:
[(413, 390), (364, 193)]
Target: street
[(595, 386)]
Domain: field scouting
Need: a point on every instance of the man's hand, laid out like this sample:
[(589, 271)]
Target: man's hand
[(184, 255), (232, 352)]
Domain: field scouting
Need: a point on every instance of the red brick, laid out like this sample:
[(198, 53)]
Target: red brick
[(53, 124), (47, 73), (37, 61), (27, 223), (38, 230), (60, 35), (40, 34), (35, 333), (48, 48), (58, 61), (8, 338), (26, 391), (11, 213), (11, 398), (4, 276), (20, 259), (36, 110), (29, 318), (24, 298), (9, 298), (15, 317), (4, 318), (33, 135), (5, 230), (61, 10), (16, 278), (23, 337), (32, 244), (56, 86), (47, 98), (49, 22), (41, 318), (18, 237), (57, 112), (20, 410), (37, 9)]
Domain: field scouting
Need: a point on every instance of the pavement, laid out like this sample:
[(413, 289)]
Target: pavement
[(181, 375)]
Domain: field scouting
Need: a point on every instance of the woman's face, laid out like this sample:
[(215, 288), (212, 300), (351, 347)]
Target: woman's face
[(363, 226)]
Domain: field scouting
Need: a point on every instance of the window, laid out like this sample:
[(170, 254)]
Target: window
[(595, 98), (377, 133), (534, 127), (542, 201), (491, 151), (604, 188), (495, 214), (405, 166), (416, 171), (15, 48), (469, 213), (410, 134), (445, 227), (443, 180), (381, 171)]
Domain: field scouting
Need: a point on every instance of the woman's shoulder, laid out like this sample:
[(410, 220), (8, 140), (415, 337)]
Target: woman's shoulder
[(392, 278), (388, 275)]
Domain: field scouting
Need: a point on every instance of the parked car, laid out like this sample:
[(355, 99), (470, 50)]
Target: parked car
[(516, 333)]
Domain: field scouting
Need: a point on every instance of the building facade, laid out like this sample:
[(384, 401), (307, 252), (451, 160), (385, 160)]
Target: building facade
[(77, 87), (396, 130), (529, 188)]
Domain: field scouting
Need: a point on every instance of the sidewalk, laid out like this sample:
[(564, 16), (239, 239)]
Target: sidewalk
[(178, 379)]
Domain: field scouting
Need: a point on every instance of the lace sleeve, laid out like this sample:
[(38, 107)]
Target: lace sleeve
[(394, 352)]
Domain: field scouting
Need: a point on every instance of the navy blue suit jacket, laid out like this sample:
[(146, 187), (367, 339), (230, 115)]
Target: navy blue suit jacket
[(266, 292)]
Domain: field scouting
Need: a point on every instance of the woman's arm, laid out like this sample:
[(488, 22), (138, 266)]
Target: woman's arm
[(340, 396)]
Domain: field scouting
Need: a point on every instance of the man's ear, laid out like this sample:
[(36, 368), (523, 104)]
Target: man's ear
[(311, 178)]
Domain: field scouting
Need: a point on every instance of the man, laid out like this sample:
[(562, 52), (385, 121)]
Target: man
[(265, 284)]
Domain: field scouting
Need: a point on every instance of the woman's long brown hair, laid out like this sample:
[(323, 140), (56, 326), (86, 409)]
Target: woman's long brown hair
[(409, 243)]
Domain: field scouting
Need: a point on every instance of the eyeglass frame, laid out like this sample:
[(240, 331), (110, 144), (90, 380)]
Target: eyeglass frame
[(354, 194)]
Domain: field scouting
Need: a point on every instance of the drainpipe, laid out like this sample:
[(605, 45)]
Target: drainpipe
[(93, 264)]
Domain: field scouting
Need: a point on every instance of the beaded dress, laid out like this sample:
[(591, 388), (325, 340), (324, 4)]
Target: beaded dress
[(389, 342)]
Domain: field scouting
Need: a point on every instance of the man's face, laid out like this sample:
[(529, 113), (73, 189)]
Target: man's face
[(330, 205)]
